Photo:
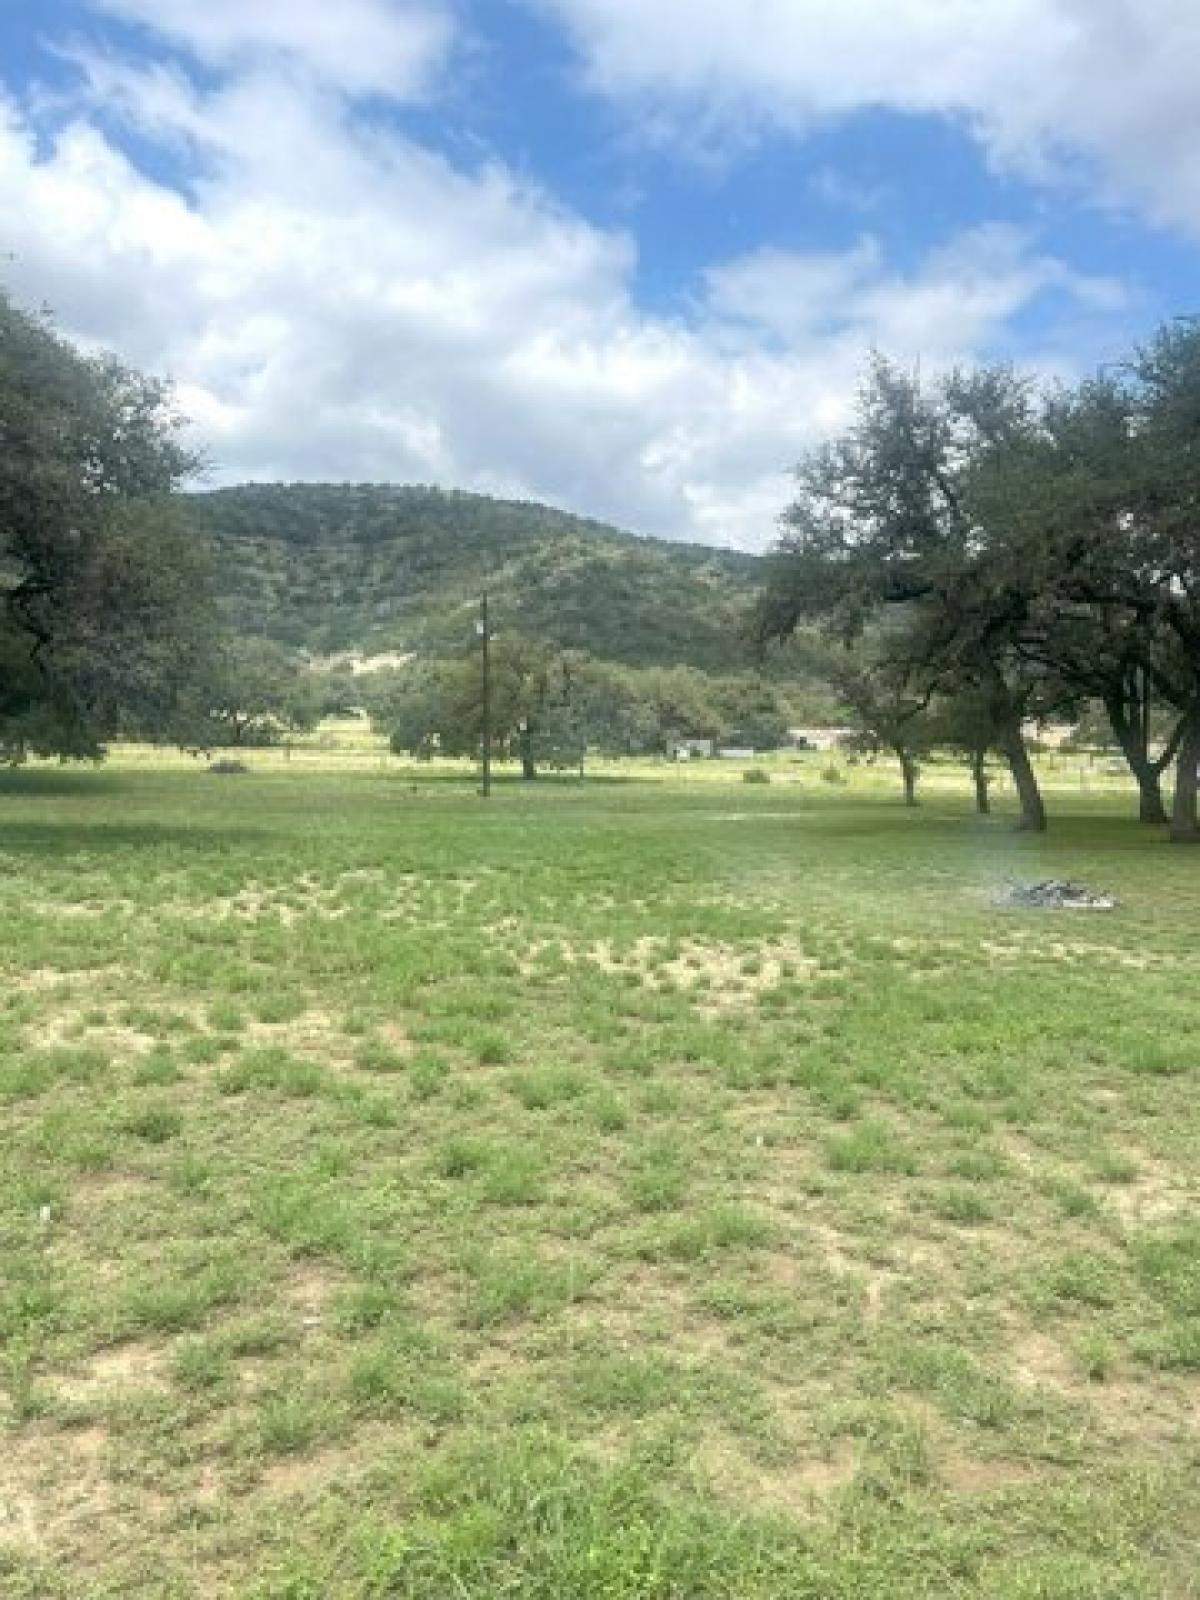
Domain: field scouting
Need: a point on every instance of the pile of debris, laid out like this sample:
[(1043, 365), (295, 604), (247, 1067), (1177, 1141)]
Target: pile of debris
[(1055, 894)]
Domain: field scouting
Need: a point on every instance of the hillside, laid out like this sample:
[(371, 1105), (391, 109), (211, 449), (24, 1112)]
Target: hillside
[(374, 568)]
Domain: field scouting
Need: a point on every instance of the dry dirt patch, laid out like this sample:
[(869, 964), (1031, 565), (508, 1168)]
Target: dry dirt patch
[(309, 1291), (1136, 1413), (53, 1489), (1156, 1194), (968, 1475), (795, 1489), (828, 1256), (722, 977), (60, 981), (68, 1027), (137, 1364), (306, 1476)]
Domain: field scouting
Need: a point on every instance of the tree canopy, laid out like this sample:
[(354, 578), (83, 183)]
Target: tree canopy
[(550, 706), (102, 593), (1028, 548)]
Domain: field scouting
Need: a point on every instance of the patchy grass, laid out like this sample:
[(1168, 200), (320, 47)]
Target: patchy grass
[(634, 1191)]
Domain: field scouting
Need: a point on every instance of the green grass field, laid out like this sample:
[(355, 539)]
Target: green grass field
[(639, 1190)]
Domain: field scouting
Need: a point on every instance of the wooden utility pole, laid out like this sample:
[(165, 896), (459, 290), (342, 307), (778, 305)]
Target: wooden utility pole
[(485, 638)]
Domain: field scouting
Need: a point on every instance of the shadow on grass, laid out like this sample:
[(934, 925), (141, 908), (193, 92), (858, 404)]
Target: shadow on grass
[(61, 840), (513, 781), (30, 783), (1069, 832)]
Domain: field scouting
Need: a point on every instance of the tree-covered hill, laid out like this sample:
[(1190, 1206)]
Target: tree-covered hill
[(375, 568)]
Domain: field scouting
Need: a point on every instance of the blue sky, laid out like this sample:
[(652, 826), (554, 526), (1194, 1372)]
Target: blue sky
[(625, 257)]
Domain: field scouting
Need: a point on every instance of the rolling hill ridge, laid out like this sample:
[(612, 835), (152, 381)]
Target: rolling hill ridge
[(374, 569)]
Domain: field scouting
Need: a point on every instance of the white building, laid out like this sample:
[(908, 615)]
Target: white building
[(819, 738), (685, 749)]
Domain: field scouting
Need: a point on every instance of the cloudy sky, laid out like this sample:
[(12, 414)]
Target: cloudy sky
[(627, 256)]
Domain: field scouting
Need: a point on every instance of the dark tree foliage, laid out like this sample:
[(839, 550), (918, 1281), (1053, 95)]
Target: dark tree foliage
[(965, 723), (883, 526), (102, 614), (879, 698), (1101, 500), (550, 707), (437, 707), (1042, 548), (254, 693)]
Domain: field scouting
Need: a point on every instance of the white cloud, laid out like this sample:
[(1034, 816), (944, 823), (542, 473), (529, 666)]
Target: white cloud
[(1041, 82), (845, 192), (964, 292), (390, 47), (791, 293), (335, 301)]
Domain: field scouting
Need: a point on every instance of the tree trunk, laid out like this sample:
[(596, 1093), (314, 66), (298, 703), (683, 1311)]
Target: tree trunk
[(983, 801), (525, 746), (1151, 805), (1033, 810), (908, 771), (1146, 772), (1185, 824)]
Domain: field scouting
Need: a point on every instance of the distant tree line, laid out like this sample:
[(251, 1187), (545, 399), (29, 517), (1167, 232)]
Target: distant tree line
[(975, 554), (980, 552), (112, 623), (550, 706)]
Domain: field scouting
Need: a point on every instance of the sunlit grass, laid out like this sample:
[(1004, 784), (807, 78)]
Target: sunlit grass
[(657, 1187)]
